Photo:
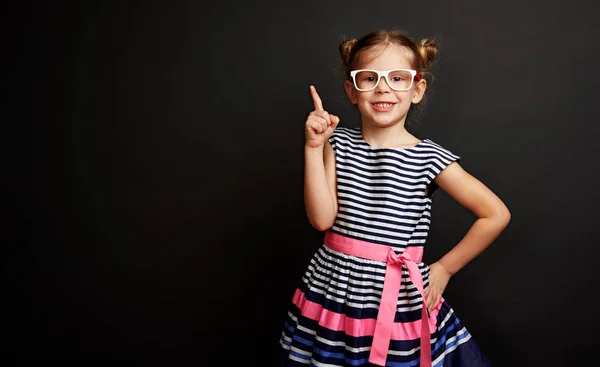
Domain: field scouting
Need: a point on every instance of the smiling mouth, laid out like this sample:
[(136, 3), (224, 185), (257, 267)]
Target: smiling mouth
[(383, 105)]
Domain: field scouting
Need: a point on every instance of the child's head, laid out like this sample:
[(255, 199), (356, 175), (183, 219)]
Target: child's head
[(385, 50)]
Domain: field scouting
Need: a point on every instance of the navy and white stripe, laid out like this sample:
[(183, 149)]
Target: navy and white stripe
[(381, 196), (353, 285), (381, 191)]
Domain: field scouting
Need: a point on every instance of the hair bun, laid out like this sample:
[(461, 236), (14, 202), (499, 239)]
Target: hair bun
[(428, 50), (346, 49)]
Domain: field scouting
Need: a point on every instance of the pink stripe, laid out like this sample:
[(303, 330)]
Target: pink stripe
[(358, 327), (384, 325)]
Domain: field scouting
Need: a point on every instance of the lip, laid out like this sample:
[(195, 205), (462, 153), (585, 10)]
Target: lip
[(383, 109)]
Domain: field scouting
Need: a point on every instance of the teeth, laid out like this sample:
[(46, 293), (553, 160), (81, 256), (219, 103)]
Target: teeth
[(383, 105)]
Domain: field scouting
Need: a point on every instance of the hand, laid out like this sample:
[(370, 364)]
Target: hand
[(438, 280), (319, 124)]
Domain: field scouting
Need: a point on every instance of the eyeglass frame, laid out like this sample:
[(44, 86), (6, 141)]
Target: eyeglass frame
[(385, 74)]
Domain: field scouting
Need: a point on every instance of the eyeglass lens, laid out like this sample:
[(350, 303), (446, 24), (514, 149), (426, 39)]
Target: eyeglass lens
[(397, 79)]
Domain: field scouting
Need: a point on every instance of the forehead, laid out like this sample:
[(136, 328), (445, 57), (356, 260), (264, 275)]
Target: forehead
[(386, 57)]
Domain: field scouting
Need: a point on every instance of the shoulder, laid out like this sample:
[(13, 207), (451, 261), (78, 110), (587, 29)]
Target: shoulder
[(344, 135), (350, 132), (437, 158), (435, 150)]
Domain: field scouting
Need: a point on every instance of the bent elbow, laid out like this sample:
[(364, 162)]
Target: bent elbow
[(507, 217), (321, 228), (322, 224), (504, 217)]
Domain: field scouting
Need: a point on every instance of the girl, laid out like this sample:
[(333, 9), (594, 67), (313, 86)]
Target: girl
[(366, 297)]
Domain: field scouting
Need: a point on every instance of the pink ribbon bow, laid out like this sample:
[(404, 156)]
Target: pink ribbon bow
[(388, 305)]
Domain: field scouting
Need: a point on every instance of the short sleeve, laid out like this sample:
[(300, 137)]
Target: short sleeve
[(333, 141), (334, 138), (439, 159)]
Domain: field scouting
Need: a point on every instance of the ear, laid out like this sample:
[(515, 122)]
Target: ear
[(419, 91), (351, 91)]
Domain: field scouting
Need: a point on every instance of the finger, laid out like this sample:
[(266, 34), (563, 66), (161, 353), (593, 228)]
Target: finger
[(323, 121), (430, 298), (316, 99), (322, 114), (334, 120), (316, 126), (438, 301)]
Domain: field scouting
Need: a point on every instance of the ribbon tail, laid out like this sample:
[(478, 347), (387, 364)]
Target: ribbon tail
[(415, 276), (425, 339), (386, 314)]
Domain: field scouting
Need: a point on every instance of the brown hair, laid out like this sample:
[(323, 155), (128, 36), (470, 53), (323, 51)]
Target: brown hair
[(423, 55)]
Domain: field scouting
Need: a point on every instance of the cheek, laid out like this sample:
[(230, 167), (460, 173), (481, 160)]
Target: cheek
[(361, 99), (405, 97)]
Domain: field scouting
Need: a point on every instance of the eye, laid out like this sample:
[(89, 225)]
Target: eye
[(399, 76)]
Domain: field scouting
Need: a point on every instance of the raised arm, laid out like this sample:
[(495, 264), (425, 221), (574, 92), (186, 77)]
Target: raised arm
[(320, 191)]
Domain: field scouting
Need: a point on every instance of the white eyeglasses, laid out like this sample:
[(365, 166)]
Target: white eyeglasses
[(398, 79)]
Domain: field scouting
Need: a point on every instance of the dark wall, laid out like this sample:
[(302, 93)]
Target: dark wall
[(152, 172)]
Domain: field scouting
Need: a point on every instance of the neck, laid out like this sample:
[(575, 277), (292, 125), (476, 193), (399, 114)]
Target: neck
[(395, 136)]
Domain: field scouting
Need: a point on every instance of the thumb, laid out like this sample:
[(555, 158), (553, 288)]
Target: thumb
[(334, 120)]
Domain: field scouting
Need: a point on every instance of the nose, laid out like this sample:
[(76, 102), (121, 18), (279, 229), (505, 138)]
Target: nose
[(383, 86)]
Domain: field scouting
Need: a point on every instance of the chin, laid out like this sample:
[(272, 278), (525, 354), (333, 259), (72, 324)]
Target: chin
[(386, 122)]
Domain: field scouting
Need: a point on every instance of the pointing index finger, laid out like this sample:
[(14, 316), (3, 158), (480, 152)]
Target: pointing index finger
[(316, 99)]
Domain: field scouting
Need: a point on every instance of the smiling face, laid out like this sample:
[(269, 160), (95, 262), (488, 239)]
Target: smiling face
[(383, 106)]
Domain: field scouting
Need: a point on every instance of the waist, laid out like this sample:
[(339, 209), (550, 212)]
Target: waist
[(365, 249)]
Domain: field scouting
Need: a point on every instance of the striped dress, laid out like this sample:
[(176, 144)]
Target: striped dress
[(334, 311)]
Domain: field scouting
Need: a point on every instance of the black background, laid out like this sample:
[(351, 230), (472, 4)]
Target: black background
[(152, 164)]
